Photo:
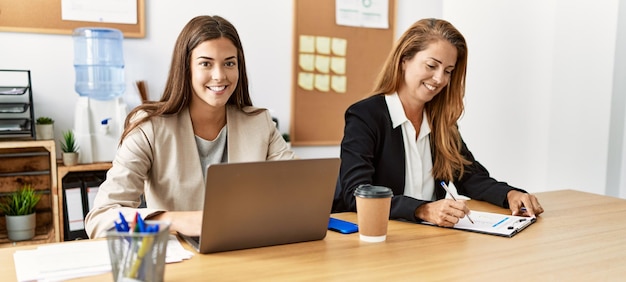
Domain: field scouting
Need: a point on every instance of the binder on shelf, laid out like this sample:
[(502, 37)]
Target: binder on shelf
[(91, 184), (73, 209), (76, 203)]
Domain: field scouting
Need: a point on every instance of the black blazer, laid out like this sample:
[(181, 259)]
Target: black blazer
[(372, 152)]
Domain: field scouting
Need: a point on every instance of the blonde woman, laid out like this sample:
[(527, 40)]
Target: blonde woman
[(405, 135)]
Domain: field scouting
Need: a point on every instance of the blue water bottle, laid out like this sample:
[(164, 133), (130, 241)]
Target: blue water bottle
[(99, 62)]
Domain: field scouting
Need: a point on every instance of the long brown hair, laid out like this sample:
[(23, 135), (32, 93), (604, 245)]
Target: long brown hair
[(178, 89), (444, 109)]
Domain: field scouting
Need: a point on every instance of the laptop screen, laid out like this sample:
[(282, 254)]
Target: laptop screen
[(258, 204)]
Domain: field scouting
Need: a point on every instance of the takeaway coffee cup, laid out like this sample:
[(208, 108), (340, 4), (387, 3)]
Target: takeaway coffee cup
[(372, 207)]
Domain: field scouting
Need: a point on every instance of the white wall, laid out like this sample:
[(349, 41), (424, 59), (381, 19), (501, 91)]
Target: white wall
[(616, 178), (508, 85), (579, 124), (539, 89), (539, 85)]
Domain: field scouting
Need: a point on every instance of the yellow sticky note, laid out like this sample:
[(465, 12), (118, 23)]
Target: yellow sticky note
[(305, 80), (338, 83), (307, 62), (322, 45), (322, 63), (307, 44), (338, 65), (339, 46), (322, 82)]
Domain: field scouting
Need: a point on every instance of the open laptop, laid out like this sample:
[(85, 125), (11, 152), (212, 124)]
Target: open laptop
[(257, 204)]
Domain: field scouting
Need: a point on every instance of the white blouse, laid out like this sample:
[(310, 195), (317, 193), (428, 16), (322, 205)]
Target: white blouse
[(418, 179)]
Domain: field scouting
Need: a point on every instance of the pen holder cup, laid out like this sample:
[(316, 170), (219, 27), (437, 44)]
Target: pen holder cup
[(138, 256)]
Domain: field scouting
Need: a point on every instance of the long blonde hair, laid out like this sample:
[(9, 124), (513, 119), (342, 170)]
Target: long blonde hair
[(444, 109)]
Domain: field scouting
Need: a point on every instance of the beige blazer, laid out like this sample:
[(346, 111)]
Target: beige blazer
[(160, 159)]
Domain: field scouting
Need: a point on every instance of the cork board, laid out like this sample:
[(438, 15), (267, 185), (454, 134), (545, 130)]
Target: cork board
[(317, 113), (44, 16)]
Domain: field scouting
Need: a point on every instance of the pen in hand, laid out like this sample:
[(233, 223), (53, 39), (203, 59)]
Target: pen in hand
[(443, 184)]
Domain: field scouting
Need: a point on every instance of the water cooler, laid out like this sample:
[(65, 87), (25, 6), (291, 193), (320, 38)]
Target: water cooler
[(100, 110)]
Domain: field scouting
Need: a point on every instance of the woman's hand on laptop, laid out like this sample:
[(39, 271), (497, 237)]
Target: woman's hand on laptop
[(185, 222)]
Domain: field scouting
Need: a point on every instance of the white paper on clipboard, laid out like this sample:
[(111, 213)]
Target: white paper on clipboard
[(493, 223)]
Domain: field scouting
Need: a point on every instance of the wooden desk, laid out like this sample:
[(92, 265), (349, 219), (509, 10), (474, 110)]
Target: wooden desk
[(580, 237)]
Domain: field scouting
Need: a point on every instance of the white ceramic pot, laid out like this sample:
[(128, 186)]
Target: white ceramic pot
[(21, 227), (44, 131), (70, 159)]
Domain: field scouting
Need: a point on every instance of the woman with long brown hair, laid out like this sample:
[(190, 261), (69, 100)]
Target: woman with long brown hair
[(205, 116), (405, 135)]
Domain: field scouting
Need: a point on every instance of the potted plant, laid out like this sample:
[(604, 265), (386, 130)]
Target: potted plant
[(19, 210), (44, 127), (69, 148)]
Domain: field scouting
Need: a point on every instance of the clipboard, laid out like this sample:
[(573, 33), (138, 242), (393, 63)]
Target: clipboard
[(492, 223)]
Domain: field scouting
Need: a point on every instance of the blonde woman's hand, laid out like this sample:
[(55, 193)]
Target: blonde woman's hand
[(523, 204), (446, 212)]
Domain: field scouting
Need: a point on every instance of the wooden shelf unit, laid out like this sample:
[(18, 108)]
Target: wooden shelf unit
[(33, 162), (63, 171)]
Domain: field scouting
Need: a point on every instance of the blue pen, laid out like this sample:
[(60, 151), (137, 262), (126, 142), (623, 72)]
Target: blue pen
[(153, 228), (118, 227), (123, 225)]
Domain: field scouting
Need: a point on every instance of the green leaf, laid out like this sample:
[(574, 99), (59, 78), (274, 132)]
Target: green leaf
[(21, 202), (68, 144), (45, 120)]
